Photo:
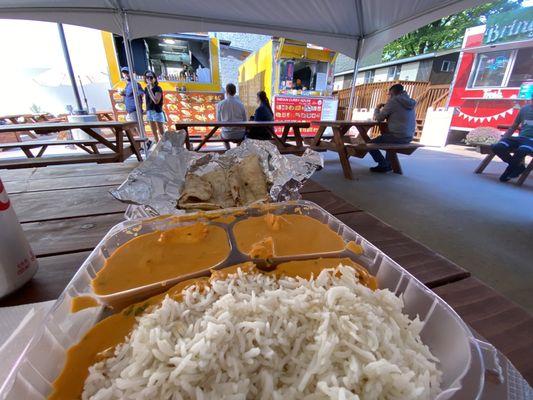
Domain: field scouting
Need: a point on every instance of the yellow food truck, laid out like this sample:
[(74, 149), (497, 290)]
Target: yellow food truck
[(297, 77), (186, 66)]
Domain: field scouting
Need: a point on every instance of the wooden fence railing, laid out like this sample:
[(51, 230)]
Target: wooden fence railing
[(433, 96), (369, 95)]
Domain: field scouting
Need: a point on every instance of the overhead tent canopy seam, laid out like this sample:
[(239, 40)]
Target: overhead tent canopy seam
[(334, 24)]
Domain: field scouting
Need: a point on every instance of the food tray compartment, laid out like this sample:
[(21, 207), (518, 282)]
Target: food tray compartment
[(444, 332)]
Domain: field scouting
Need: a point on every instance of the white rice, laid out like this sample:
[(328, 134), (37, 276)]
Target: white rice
[(252, 336)]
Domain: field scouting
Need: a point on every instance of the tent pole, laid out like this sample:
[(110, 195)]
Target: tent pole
[(70, 71), (129, 60), (358, 48)]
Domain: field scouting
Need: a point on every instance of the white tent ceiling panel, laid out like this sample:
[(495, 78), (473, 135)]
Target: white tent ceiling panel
[(333, 24)]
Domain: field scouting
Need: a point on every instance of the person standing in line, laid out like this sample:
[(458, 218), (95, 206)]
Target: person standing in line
[(129, 97), (521, 145), (399, 111), (262, 113), (231, 109), (154, 105)]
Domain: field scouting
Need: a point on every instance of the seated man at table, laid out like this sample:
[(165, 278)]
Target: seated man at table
[(231, 109), (520, 145), (399, 111)]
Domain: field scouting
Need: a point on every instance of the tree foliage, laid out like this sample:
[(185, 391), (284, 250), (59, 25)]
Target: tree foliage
[(445, 33)]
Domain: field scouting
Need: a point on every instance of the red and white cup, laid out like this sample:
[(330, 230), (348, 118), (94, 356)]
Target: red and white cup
[(17, 261)]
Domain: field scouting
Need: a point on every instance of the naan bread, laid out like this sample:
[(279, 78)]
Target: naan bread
[(195, 190), (247, 181), (221, 194), (243, 184)]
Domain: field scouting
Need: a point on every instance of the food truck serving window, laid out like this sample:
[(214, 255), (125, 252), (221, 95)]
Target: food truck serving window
[(507, 68), (303, 75), (172, 57)]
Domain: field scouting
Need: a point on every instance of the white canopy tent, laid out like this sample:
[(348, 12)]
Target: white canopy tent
[(340, 25)]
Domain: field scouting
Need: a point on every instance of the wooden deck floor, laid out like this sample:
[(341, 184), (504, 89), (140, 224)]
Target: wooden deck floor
[(66, 210)]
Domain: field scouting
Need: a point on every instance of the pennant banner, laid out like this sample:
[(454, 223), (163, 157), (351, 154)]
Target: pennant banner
[(488, 118)]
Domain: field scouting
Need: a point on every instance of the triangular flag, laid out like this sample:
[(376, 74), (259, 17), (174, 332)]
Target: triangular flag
[(470, 118), (496, 117), (489, 118)]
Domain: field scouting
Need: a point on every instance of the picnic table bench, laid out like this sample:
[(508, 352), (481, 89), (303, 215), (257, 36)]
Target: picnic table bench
[(487, 149), (341, 144), (119, 151), (281, 142), (62, 238)]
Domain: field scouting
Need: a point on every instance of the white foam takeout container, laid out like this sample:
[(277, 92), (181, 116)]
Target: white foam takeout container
[(463, 358)]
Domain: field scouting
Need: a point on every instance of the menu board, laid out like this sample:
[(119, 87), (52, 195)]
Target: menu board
[(178, 106), (300, 108), (329, 110), (191, 106)]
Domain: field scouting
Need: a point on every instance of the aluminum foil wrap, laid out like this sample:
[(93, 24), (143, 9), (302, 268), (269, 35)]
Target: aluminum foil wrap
[(154, 187)]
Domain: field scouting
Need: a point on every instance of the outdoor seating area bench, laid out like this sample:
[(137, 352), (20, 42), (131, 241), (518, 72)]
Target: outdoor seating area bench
[(279, 141), (391, 151), (90, 146), (342, 144), (487, 149), (122, 146), (198, 139)]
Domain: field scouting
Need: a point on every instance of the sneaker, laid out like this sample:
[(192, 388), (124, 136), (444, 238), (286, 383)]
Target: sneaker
[(505, 177), (381, 168), (517, 171)]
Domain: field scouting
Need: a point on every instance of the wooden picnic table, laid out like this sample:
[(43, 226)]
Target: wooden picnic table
[(489, 156), (62, 238), (119, 151), (281, 142), (345, 148), (35, 118), (18, 119)]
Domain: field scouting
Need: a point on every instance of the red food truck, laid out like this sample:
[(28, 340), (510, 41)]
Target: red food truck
[(494, 76)]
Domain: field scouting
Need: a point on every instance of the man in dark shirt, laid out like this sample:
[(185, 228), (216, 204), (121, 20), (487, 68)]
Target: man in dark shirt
[(521, 145), (129, 98)]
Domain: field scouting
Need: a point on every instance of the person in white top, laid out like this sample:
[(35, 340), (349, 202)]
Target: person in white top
[(231, 109)]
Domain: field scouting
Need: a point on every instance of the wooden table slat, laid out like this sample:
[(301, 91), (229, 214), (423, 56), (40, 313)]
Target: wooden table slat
[(69, 235), (330, 202), (59, 126), (67, 203), (503, 323), (71, 171), (111, 181), (311, 186)]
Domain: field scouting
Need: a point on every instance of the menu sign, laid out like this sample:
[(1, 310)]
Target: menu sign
[(178, 106), (301, 108), (191, 106)]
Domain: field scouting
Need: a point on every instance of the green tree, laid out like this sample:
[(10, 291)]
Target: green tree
[(445, 33)]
